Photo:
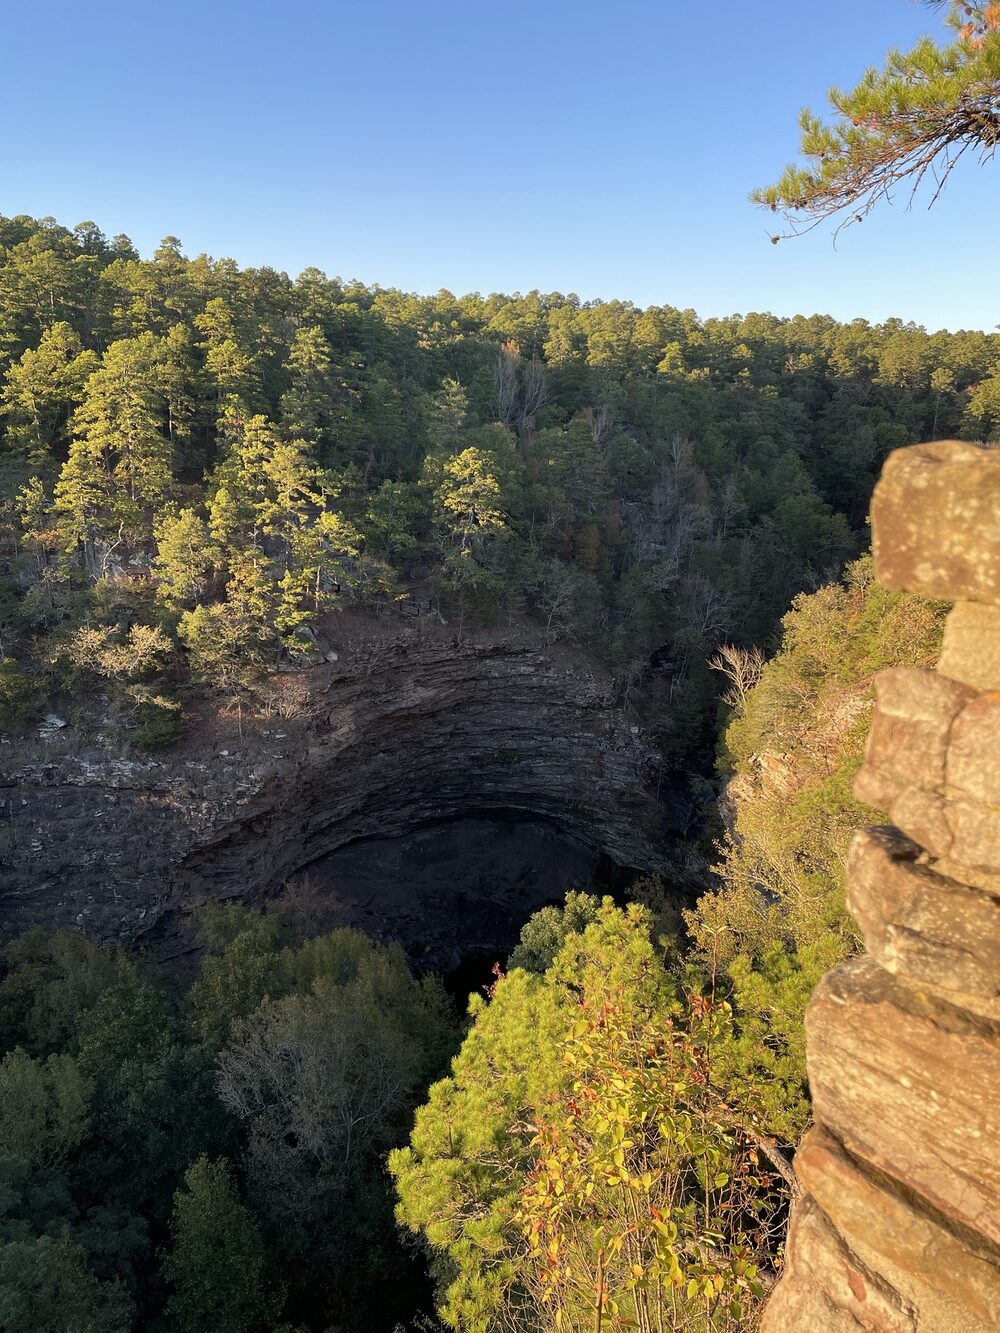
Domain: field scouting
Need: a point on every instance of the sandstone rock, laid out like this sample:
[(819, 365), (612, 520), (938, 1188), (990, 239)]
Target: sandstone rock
[(975, 834), (971, 649), (798, 1304), (936, 521), (911, 1085), (933, 764), (951, 1278), (943, 934), (973, 759), (978, 879), (907, 744), (899, 1226), (923, 816), (826, 1288)]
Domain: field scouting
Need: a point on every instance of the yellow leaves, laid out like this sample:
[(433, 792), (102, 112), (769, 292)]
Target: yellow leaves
[(636, 1165), (106, 651)]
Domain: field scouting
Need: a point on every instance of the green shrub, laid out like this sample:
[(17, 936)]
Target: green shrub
[(20, 701)]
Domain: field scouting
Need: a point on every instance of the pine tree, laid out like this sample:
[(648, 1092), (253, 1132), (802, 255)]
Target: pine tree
[(307, 404), (118, 473), (232, 365), (271, 514), (183, 556), (915, 118), (42, 390)]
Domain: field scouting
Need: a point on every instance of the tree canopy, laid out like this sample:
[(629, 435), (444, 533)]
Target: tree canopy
[(201, 467), (214, 1159)]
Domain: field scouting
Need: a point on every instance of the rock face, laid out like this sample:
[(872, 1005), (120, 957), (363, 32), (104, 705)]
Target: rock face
[(936, 522), (898, 1226), (391, 739)]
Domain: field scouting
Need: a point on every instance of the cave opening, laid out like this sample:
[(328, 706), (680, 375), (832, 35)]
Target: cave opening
[(455, 892)]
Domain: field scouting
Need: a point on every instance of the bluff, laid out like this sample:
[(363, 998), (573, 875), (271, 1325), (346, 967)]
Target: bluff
[(401, 731), (897, 1226)]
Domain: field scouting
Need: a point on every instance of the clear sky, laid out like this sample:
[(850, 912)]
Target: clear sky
[(604, 147)]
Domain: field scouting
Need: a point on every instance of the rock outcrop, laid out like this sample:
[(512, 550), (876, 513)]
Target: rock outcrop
[(390, 739), (898, 1225)]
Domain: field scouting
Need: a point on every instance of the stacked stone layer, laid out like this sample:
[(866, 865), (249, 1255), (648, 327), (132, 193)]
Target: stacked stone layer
[(898, 1224)]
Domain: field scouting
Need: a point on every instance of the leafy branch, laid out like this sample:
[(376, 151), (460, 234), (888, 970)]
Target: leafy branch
[(910, 122)]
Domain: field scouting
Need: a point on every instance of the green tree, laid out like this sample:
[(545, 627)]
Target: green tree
[(19, 700), (778, 921), (118, 473), (41, 392), (572, 1083), (184, 554), (231, 644), (325, 1079), (646, 1203), (50, 981), (45, 1286), (154, 1105), (44, 1107), (218, 1265), (308, 405), (232, 984), (232, 365)]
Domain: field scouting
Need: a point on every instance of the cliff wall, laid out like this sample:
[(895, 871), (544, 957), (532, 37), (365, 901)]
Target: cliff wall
[(392, 737), (898, 1224)]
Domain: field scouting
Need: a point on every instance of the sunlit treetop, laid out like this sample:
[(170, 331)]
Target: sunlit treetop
[(905, 125)]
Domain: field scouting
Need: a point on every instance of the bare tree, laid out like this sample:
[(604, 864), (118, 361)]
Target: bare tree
[(505, 383), (520, 387), (534, 395), (742, 667)]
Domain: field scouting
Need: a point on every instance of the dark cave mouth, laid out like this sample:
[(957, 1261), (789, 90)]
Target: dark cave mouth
[(453, 892)]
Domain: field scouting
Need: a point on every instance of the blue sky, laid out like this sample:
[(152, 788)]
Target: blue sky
[(602, 148)]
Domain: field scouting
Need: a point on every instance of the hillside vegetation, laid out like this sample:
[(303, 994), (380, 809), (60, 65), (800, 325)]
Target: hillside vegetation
[(199, 467), (199, 463), (789, 757), (615, 1127), (614, 1130)]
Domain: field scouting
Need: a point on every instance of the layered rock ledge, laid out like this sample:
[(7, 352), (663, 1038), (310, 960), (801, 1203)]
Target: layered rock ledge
[(393, 737), (898, 1225)]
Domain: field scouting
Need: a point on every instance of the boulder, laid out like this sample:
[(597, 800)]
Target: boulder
[(936, 521), (908, 741), (911, 1085), (828, 1289), (973, 758), (950, 1278), (970, 652), (939, 932), (933, 764)]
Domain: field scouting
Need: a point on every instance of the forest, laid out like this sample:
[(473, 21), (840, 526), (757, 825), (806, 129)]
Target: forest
[(200, 462), (200, 465)]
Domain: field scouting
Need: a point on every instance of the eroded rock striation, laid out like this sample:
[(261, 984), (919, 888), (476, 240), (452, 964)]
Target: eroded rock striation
[(389, 739), (898, 1226)]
